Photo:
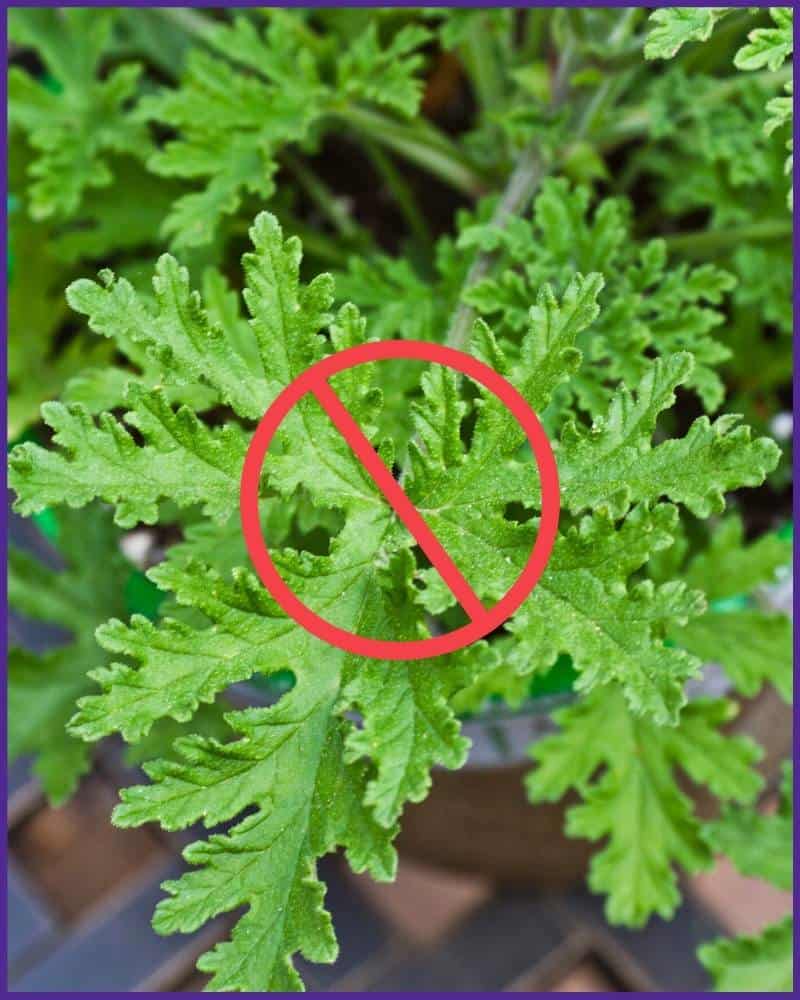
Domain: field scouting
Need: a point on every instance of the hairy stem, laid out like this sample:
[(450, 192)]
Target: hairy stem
[(522, 185)]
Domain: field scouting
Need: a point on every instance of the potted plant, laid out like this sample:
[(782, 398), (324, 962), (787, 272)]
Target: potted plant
[(546, 179)]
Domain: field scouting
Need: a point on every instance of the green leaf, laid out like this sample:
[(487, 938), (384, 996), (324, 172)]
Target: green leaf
[(779, 110), (644, 302), (181, 459), (182, 341), (408, 726), (759, 844), (624, 769), (297, 762), (287, 762), (43, 688), (104, 227), (408, 722), (768, 47), (759, 964), (584, 606), (730, 566), (181, 666), (612, 634), (450, 492), (612, 630), (231, 124), (374, 730), (39, 362), (752, 645), (613, 462), (675, 26), (256, 93), (164, 737), (76, 128), (387, 76)]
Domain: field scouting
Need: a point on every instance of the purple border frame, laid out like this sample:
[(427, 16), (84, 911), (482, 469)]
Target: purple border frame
[(795, 461), (368, 3), (372, 3)]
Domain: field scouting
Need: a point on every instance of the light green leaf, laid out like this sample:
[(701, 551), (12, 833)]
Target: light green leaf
[(181, 458), (759, 844), (633, 800), (490, 476), (675, 26), (729, 566), (612, 634), (768, 47), (645, 303), (387, 75), (753, 647), (288, 763), (75, 127), (408, 722), (183, 344), (614, 463), (258, 92), (231, 124), (297, 762), (759, 964)]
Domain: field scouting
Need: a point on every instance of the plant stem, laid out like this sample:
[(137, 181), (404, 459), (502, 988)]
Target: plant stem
[(401, 192), (533, 33), (531, 167), (708, 241), (419, 142), (522, 185), (192, 22), (481, 56)]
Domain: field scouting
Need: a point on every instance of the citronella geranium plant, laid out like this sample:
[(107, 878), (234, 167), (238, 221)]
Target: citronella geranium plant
[(617, 341)]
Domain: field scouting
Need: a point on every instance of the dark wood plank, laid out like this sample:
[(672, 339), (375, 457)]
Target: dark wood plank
[(30, 923), (501, 941), (118, 951)]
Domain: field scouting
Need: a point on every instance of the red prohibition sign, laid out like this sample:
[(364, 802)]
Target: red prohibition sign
[(482, 620)]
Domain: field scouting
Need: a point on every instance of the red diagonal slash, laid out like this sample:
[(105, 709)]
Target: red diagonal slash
[(314, 381), (396, 497)]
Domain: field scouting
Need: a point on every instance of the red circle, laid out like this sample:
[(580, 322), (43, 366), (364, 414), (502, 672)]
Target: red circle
[(395, 649)]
